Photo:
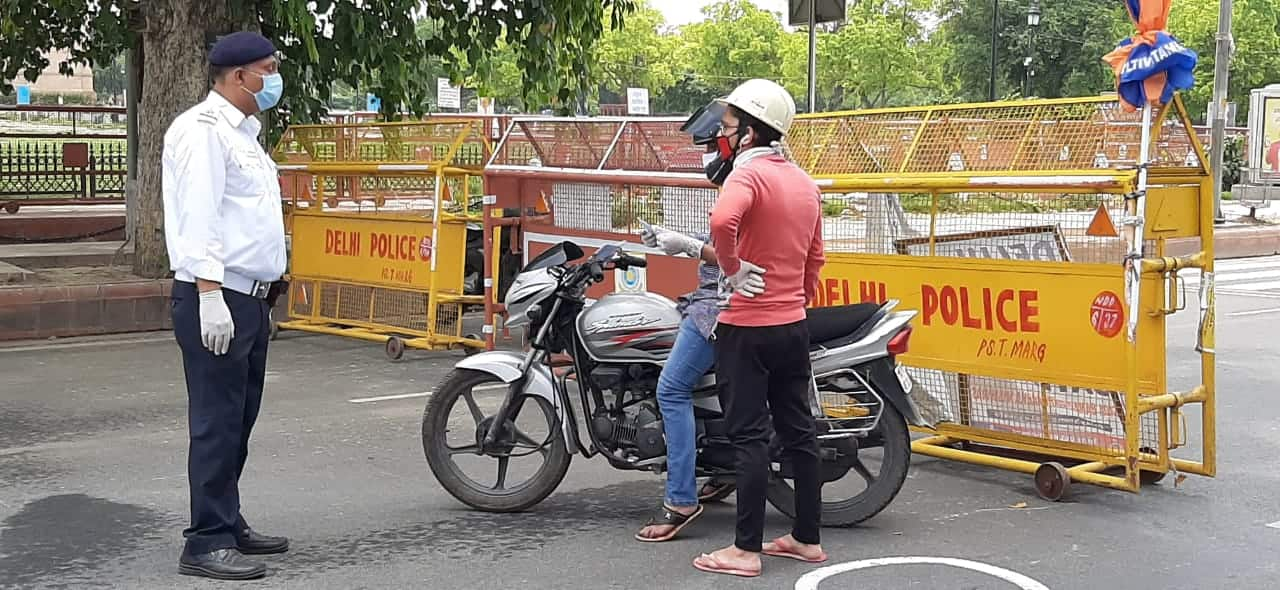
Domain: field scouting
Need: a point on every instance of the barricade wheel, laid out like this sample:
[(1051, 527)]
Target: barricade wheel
[(1149, 478), (11, 207), (1052, 481), (395, 348)]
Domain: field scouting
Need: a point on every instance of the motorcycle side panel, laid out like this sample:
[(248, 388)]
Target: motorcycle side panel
[(629, 327), (872, 353)]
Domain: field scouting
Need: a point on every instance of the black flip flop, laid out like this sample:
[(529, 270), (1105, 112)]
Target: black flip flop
[(717, 489), (669, 517)]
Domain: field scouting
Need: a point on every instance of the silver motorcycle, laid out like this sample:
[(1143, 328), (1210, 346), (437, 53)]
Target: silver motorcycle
[(611, 353)]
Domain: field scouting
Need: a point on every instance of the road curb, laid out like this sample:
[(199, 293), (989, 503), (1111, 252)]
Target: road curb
[(59, 311), (1233, 242), (23, 229)]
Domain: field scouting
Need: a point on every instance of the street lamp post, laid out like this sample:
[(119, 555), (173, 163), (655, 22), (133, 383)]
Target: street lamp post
[(1033, 21), (995, 40), (1033, 24)]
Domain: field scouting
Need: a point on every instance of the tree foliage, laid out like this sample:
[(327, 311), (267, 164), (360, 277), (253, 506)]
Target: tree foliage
[(637, 54), (1256, 63), (879, 57), (737, 41), (1066, 49), (378, 46)]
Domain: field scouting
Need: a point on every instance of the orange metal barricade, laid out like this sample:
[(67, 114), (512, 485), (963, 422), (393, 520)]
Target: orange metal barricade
[(592, 181)]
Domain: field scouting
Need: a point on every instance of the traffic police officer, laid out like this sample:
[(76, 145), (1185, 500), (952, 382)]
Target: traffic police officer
[(225, 236)]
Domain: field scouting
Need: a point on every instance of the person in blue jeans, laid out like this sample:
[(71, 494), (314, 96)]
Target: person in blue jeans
[(690, 359)]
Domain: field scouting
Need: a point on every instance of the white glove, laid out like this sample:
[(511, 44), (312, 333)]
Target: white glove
[(673, 243), (216, 327), (748, 281)]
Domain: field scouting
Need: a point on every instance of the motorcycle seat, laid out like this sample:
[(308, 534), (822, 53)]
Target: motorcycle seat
[(831, 327)]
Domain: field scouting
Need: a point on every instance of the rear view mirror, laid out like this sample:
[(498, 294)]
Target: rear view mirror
[(571, 251)]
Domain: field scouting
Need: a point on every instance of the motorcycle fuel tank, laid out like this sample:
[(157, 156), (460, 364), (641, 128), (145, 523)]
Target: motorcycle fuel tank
[(629, 327)]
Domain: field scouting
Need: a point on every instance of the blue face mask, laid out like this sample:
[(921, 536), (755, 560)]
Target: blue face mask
[(272, 89)]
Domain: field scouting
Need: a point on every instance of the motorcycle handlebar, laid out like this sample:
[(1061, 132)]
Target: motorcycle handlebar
[(593, 271), (626, 261)]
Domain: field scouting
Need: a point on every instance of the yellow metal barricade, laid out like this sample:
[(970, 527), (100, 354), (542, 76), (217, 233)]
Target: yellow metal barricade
[(378, 221), (1034, 238)]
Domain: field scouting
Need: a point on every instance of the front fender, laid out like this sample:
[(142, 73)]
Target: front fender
[(505, 365)]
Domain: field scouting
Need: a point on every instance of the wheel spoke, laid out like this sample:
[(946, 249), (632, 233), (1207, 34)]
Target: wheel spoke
[(525, 439), (470, 398), (862, 470), (465, 449), (503, 462)]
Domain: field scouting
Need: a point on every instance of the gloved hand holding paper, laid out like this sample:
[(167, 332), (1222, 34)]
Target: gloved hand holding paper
[(671, 242)]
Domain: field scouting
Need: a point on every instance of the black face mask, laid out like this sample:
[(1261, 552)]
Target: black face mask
[(718, 169)]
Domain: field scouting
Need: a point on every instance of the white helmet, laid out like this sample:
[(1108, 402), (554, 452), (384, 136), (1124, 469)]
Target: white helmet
[(764, 100)]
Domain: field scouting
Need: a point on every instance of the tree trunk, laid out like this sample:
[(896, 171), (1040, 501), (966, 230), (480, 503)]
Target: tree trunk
[(175, 44)]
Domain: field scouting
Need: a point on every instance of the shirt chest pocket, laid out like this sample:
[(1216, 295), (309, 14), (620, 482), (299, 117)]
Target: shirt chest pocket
[(247, 174)]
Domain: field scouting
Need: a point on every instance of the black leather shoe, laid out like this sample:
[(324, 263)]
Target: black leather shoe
[(251, 543), (223, 564)]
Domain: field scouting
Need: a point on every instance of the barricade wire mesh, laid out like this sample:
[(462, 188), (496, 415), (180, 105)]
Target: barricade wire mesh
[(621, 207), (644, 145), (343, 302), (385, 143), (364, 193), (449, 319), (1013, 226), (302, 297), (1012, 137), (1082, 416), (370, 193)]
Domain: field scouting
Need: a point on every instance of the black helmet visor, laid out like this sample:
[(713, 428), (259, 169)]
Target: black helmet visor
[(704, 124)]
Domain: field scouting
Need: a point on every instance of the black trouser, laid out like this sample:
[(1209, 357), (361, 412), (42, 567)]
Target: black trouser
[(763, 371), (223, 396)]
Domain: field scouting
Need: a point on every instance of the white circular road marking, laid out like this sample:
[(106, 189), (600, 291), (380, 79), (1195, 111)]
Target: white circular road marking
[(811, 580)]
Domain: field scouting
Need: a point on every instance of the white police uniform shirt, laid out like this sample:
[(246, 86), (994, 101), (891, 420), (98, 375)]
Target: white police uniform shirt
[(222, 214)]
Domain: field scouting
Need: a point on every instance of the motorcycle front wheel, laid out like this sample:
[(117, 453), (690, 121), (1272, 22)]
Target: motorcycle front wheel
[(449, 439), (893, 459)]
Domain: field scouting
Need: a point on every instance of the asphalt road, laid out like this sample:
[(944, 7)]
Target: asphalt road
[(93, 488)]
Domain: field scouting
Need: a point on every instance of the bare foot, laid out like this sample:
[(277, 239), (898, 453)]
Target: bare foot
[(730, 560), (658, 531), (788, 546)]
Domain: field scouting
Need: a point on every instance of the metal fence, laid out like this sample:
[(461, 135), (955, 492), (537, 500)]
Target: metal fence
[(44, 166), (53, 154)]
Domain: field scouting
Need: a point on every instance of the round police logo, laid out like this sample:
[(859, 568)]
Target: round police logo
[(631, 280), (424, 248)]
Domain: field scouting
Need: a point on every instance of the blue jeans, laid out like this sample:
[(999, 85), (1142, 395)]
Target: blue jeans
[(690, 359)]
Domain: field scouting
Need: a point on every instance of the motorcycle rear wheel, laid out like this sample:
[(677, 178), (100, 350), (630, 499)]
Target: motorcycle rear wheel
[(892, 429), (458, 386)]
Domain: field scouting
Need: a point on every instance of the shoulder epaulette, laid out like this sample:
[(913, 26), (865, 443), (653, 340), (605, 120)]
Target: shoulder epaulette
[(209, 117)]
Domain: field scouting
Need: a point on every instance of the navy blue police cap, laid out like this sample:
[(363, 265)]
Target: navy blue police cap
[(240, 48)]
